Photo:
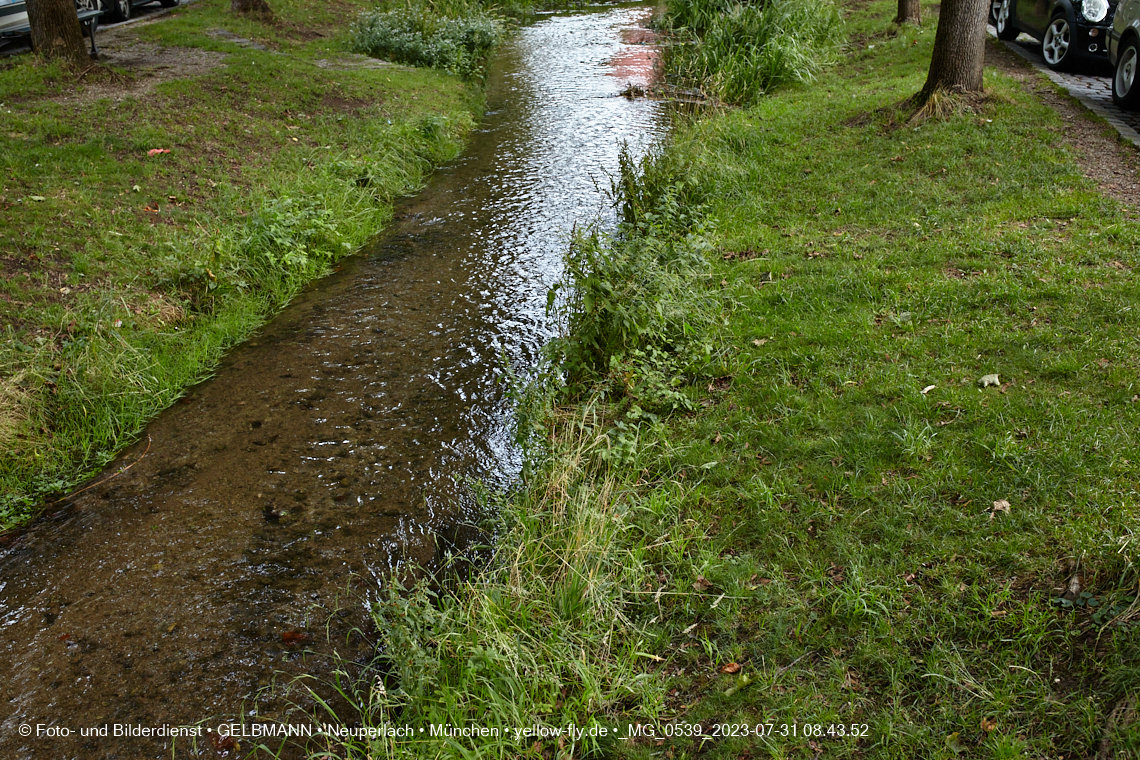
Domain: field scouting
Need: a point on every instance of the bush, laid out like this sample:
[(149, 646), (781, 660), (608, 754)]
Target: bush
[(736, 51), (423, 36)]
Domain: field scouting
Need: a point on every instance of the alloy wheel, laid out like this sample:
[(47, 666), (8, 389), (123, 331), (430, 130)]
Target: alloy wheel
[(1125, 76), (1055, 46)]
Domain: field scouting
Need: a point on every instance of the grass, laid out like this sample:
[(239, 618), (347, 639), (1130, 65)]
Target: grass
[(840, 525), (127, 275)]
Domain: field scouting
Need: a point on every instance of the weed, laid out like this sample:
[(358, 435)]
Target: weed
[(636, 307)]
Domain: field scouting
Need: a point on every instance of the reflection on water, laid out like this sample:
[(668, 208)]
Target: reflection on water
[(327, 451)]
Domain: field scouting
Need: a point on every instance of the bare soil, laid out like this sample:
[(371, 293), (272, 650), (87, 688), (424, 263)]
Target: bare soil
[(145, 64)]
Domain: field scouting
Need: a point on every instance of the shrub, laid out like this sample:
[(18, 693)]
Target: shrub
[(423, 36)]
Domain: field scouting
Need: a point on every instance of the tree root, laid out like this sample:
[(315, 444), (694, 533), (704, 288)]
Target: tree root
[(940, 105)]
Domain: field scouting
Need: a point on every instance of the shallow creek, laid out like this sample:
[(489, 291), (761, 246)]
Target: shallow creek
[(331, 450)]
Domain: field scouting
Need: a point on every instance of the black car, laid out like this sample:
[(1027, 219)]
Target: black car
[(1069, 30), (120, 10)]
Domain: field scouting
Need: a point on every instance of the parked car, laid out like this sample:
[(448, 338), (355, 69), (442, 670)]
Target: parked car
[(120, 10), (13, 14), (1124, 53), (15, 30), (1069, 30)]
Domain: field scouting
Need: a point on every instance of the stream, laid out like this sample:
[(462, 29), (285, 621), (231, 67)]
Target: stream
[(331, 450)]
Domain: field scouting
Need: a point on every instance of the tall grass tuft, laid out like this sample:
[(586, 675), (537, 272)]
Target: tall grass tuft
[(735, 52)]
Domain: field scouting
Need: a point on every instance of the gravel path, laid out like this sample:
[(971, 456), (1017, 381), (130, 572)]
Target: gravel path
[(1093, 90)]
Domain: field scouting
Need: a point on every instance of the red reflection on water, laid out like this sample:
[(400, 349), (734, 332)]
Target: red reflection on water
[(636, 63)]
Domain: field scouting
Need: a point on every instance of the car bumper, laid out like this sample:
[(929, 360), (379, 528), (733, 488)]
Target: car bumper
[(1092, 39)]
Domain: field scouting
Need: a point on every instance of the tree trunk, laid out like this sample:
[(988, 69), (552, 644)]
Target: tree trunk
[(258, 8), (55, 32), (959, 48), (910, 11)]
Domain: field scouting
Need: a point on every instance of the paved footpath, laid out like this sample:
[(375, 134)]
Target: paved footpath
[(1094, 91)]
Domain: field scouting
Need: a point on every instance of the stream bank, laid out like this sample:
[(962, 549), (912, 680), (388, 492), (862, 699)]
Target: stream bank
[(160, 208)]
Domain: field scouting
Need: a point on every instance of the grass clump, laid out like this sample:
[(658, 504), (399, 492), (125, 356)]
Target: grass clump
[(551, 634), (456, 37), (736, 52)]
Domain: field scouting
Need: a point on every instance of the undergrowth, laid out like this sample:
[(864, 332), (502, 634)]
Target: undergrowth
[(631, 306), (736, 52)]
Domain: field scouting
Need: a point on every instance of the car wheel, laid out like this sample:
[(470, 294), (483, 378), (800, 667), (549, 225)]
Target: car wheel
[(1055, 48), (118, 10), (1001, 10), (1125, 87)]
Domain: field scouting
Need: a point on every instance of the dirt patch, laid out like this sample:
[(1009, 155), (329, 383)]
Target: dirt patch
[(145, 64), (1098, 148), (339, 103), (353, 61)]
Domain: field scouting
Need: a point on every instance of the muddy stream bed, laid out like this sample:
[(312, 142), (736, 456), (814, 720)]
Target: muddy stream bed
[(330, 450)]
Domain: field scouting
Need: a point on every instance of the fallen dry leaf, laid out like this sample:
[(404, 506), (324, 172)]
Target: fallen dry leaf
[(999, 506), (702, 584), (988, 725), (732, 667)]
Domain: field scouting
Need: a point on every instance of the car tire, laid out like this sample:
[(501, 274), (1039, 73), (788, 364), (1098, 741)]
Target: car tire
[(1056, 43), (1125, 82), (1000, 13), (168, 3), (118, 10)]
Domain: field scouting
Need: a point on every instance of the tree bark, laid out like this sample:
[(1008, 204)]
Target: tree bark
[(258, 8), (959, 48), (910, 11), (56, 34)]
